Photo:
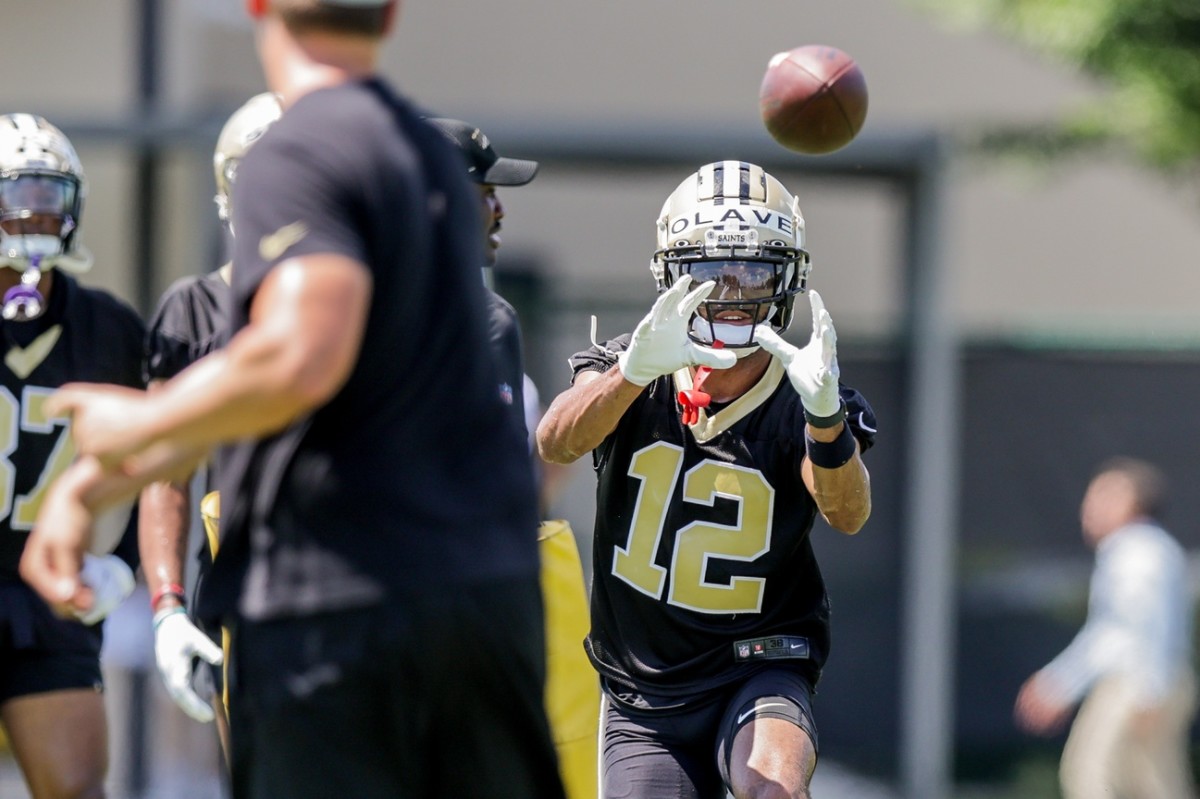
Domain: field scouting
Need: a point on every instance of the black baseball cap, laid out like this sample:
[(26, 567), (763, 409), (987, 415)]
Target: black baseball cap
[(484, 165)]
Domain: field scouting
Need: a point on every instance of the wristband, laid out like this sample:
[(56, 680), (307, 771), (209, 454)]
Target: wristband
[(166, 613), (825, 421), (170, 589), (831, 454)]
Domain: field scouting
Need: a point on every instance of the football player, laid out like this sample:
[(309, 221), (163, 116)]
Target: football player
[(54, 331), (188, 324), (716, 443)]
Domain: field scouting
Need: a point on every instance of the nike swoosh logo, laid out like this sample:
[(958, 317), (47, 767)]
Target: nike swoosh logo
[(798, 646), (757, 708), (276, 244)]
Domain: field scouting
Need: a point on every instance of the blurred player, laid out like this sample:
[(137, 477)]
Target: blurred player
[(488, 170), (55, 331), (572, 694), (377, 502), (709, 613), (1131, 664), (191, 318)]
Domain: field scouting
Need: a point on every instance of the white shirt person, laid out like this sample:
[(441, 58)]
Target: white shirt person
[(1130, 663)]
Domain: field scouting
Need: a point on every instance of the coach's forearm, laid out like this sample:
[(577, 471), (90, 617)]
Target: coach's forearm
[(99, 489), (246, 391), (306, 327)]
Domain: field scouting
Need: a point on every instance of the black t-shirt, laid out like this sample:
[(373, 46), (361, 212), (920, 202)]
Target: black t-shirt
[(504, 331), (85, 335), (413, 476), (189, 323), (702, 534)]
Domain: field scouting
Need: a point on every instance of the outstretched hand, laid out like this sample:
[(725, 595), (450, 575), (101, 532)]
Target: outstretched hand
[(812, 369), (660, 344)]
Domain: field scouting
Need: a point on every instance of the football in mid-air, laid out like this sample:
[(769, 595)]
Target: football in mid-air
[(813, 99)]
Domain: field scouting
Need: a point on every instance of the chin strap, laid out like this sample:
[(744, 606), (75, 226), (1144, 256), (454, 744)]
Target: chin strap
[(694, 398), (23, 301)]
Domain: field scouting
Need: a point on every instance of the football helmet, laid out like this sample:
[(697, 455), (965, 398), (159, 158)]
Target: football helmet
[(732, 223), (243, 128), (42, 189)]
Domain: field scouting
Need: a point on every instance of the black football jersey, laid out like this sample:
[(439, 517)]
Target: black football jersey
[(85, 335), (190, 322), (702, 534)]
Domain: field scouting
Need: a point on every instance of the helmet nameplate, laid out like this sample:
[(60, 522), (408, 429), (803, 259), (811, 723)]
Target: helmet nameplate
[(731, 210)]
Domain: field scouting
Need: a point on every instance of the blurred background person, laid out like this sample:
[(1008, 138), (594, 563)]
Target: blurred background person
[(1130, 664), (54, 331), (188, 324), (572, 690)]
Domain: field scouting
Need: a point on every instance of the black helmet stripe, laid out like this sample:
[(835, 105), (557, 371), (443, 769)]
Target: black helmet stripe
[(744, 182)]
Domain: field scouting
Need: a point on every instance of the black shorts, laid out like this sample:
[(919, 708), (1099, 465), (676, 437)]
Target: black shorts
[(432, 696), (656, 749), (208, 680), (40, 652)]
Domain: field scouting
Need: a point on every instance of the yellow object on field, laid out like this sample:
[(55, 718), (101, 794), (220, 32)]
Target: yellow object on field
[(572, 687), (210, 512)]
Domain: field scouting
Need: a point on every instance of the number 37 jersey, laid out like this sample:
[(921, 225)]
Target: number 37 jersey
[(85, 335), (702, 534)]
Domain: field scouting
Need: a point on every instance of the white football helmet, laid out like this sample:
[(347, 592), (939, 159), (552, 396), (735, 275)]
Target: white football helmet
[(42, 189), (732, 223), (243, 128)]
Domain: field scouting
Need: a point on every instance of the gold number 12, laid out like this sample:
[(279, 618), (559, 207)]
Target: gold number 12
[(696, 543)]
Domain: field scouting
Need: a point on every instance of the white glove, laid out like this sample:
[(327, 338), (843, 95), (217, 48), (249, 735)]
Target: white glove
[(176, 642), (813, 369), (660, 343), (111, 581)]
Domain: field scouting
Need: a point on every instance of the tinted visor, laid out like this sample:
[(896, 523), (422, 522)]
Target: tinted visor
[(32, 203), (737, 280)]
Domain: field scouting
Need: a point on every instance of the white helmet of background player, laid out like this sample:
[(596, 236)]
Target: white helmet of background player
[(42, 188), (732, 223), (243, 128)]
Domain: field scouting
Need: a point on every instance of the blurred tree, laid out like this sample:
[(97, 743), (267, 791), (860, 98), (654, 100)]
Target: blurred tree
[(1148, 51)]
